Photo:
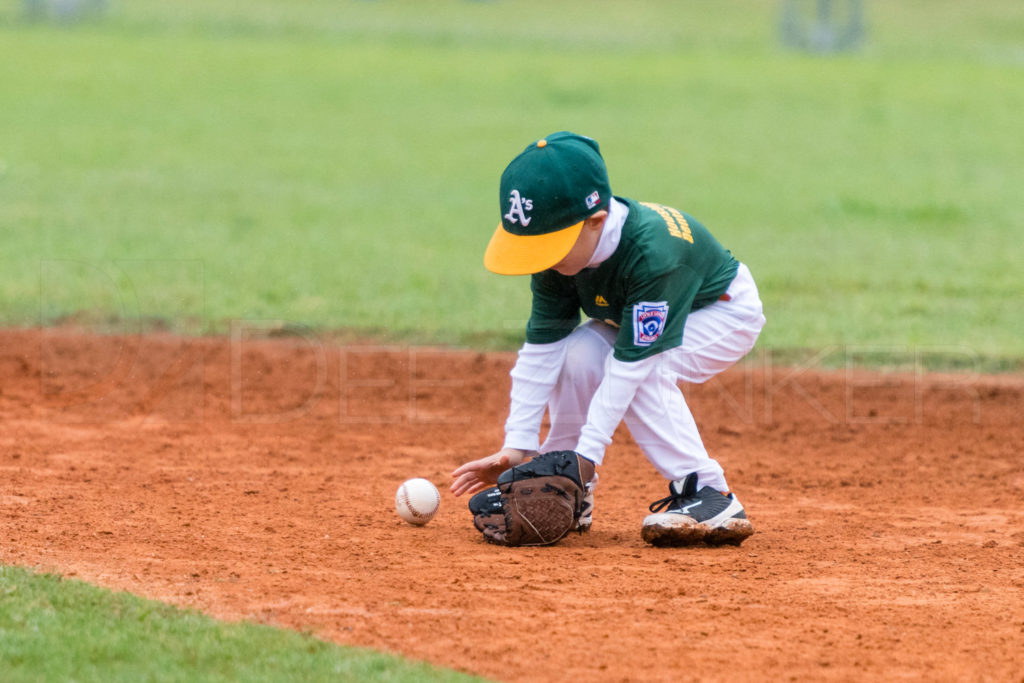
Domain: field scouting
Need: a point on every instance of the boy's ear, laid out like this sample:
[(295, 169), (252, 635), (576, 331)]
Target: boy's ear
[(595, 220)]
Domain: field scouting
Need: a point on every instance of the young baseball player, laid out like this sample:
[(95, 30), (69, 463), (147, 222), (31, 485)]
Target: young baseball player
[(664, 301)]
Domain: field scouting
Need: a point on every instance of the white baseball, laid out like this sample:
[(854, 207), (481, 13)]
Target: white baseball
[(417, 500)]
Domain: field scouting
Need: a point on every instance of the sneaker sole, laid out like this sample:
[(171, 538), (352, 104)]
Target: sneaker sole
[(671, 530)]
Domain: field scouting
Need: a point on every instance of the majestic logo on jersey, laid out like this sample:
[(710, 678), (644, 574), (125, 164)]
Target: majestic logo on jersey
[(600, 300), (593, 199), (519, 208), (649, 321)]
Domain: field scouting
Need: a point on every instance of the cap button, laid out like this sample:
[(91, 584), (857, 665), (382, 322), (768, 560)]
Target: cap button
[(542, 143)]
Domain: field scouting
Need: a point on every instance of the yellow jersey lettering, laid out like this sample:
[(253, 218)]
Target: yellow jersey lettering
[(674, 221), (684, 227)]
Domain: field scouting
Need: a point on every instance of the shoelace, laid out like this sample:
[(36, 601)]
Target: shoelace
[(659, 505)]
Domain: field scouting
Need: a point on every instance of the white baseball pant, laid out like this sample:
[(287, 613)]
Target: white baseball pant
[(714, 338)]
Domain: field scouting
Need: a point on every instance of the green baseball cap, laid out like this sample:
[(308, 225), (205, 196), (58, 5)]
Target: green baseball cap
[(546, 193)]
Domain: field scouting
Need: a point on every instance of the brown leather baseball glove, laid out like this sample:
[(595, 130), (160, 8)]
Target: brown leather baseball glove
[(536, 503)]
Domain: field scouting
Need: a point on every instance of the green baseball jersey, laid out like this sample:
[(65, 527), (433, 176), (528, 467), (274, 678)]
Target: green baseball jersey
[(666, 265)]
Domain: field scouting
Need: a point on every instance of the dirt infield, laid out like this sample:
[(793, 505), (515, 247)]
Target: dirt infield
[(255, 479)]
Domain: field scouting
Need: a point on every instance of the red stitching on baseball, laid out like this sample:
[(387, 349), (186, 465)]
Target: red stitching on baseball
[(408, 503)]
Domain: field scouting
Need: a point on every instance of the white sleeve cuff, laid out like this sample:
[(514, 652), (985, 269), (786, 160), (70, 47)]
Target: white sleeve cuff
[(523, 440)]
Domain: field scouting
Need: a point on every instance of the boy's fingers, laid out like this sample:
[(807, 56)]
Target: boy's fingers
[(467, 467), (467, 489), (477, 474), (481, 464), (465, 485)]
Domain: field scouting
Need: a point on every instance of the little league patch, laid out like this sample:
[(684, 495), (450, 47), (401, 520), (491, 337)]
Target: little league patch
[(649, 321)]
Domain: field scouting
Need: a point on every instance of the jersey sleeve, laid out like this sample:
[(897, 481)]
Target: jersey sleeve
[(655, 313), (555, 310), (533, 377)]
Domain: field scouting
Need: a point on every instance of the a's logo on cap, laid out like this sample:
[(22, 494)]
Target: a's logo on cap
[(519, 208), (594, 199)]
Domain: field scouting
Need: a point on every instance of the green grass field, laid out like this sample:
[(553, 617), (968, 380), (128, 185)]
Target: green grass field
[(334, 164), (53, 629)]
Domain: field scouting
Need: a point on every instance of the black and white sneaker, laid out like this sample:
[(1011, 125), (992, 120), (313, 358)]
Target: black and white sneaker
[(689, 516)]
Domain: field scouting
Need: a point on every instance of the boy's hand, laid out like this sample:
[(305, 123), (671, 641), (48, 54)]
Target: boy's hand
[(479, 474)]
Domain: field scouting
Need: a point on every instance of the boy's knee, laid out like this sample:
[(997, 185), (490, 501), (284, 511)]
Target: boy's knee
[(586, 353)]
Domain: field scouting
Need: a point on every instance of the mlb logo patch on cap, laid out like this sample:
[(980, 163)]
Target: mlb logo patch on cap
[(594, 199)]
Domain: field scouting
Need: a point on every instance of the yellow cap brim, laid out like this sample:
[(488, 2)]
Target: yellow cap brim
[(509, 254)]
